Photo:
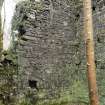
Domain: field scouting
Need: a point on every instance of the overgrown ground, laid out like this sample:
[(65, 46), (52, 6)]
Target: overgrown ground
[(76, 94)]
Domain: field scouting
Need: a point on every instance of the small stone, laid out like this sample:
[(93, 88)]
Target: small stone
[(65, 23)]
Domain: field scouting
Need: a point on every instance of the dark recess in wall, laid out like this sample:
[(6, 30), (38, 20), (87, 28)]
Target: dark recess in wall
[(21, 30), (33, 84)]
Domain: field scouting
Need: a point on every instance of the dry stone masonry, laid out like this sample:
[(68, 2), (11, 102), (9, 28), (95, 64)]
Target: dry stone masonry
[(51, 44)]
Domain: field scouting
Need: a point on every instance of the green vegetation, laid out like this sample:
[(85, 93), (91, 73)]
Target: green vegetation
[(8, 75), (76, 94)]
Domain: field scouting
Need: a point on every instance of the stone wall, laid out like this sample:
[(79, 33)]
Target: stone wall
[(51, 44)]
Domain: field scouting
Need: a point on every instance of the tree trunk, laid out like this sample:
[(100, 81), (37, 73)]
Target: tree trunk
[(91, 73), (1, 33)]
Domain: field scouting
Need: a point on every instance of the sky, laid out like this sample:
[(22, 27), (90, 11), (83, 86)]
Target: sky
[(8, 10), (7, 14)]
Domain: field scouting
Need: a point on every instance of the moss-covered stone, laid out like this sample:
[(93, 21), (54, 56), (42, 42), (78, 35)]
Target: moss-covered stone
[(51, 50)]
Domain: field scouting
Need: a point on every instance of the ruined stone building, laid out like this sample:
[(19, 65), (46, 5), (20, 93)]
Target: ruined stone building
[(51, 47)]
